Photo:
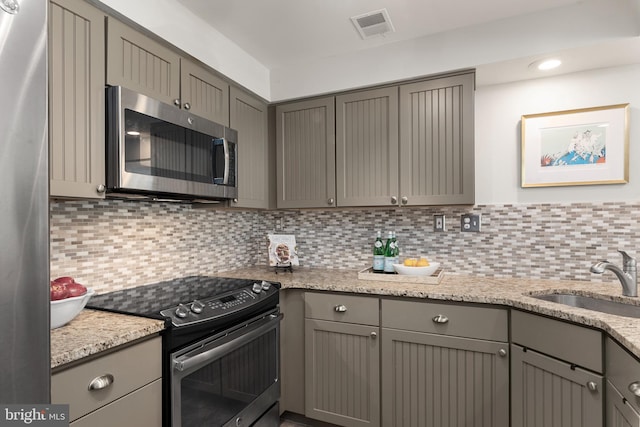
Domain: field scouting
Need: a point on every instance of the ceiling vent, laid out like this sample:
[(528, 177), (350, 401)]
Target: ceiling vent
[(373, 23)]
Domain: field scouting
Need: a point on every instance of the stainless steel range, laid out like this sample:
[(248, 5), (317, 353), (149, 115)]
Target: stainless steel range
[(220, 348)]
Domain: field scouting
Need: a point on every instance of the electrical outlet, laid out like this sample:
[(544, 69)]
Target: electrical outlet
[(470, 222), (439, 222)]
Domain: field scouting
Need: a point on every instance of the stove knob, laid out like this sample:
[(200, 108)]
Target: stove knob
[(266, 285), (197, 307), (182, 311), (257, 288)]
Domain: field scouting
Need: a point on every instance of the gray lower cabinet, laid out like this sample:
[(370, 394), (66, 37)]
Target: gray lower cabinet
[(76, 100), (441, 366), (248, 115), (437, 141), (620, 413), (556, 373), (122, 388), (342, 366), (305, 154), (623, 382)]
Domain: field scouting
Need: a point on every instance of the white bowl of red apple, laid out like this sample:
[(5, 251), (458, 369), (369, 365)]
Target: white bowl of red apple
[(68, 298)]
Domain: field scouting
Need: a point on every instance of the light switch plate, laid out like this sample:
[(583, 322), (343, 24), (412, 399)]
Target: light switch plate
[(470, 222), (439, 223)]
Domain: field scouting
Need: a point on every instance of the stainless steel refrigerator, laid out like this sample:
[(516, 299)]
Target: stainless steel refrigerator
[(24, 203)]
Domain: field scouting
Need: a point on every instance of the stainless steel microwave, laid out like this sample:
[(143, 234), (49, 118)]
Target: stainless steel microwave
[(157, 149)]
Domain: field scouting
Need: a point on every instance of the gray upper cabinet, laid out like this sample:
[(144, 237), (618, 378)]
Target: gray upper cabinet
[(76, 99), (203, 93), (305, 154), (248, 116), (142, 64), (149, 67), (437, 141), (367, 148)]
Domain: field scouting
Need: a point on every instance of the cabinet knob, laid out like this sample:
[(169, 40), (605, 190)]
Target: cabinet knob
[(440, 319), (340, 308), (101, 188), (404, 200), (176, 102), (634, 388), (187, 106), (592, 386), (374, 335), (235, 200), (330, 201), (101, 382), (394, 200), (502, 352)]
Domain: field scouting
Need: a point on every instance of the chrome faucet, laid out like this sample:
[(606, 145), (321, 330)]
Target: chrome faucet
[(627, 276)]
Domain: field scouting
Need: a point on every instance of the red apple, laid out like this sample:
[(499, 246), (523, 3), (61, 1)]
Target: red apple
[(58, 291), (76, 289), (64, 280)]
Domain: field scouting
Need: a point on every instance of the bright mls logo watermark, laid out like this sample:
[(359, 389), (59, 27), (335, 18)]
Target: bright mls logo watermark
[(34, 415)]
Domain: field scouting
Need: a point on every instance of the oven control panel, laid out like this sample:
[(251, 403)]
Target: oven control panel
[(197, 311)]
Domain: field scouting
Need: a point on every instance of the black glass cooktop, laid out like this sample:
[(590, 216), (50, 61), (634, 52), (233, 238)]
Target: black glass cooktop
[(149, 300)]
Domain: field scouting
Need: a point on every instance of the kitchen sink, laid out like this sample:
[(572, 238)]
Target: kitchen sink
[(592, 303)]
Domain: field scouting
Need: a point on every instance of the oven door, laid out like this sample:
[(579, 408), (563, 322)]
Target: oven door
[(230, 379)]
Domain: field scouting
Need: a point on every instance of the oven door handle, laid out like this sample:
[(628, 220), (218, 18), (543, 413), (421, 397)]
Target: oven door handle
[(199, 357)]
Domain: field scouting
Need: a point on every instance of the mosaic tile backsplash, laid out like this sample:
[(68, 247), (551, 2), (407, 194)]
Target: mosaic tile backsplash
[(116, 244)]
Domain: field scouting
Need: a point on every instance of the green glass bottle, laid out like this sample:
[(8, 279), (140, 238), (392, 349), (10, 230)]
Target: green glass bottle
[(389, 254), (378, 254)]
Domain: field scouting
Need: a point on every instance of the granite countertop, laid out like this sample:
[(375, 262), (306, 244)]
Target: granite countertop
[(94, 331), (509, 292)]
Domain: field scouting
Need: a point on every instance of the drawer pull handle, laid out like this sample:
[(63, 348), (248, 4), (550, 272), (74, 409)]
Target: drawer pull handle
[(440, 319), (340, 308), (634, 388), (592, 386), (101, 382)]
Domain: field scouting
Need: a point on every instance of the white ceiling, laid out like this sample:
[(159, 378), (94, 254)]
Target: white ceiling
[(279, 33), (287, 49)]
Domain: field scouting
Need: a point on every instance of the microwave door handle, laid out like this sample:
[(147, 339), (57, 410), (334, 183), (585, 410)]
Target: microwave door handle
[(227, 161)]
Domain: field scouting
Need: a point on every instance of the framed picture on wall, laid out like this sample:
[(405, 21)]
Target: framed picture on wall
[(576, 147)]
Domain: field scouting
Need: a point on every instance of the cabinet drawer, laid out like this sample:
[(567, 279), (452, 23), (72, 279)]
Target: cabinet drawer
[(142, 408), (622, 370), (342, 308), (447, 319), (568, 342), (131, 367)]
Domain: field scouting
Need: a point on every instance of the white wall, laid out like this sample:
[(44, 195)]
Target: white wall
[(497, 133)]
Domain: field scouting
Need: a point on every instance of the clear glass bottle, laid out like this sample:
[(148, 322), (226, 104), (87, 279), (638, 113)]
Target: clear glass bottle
[(389, 254), (378, 254), (396, 249)]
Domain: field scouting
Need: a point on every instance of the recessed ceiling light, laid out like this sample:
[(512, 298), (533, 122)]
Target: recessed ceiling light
[(545, 64)]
